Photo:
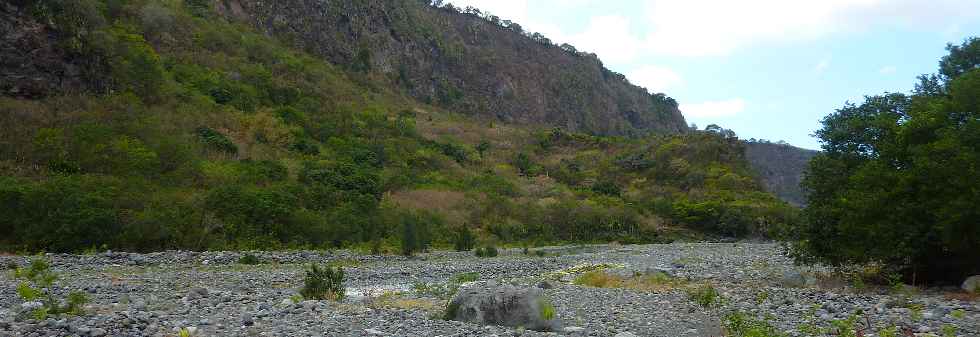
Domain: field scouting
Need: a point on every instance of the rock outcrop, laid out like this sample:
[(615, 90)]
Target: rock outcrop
[(465, 62), (781, 167)]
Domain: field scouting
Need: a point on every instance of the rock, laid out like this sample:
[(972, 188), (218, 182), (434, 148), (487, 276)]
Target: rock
[(97, 332), (796, 279), (545, 285), (574, 329), (195, 293), (972, 284), (505, 305), (373, 332), (625, 334), (247, 320)]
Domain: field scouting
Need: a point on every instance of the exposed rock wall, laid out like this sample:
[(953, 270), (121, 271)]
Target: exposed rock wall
[(464, 63)]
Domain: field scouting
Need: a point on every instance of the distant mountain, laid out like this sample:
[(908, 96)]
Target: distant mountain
[(465, 61), (781, 168)]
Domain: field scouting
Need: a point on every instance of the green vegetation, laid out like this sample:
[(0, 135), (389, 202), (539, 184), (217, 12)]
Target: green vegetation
[(249, 259), (653, 282), (323, 283), (445, 290), (464, 240), (486, 251), (198, 133), (705, 295), (547, 308), (37, 285), (739, 324), (901, 169)]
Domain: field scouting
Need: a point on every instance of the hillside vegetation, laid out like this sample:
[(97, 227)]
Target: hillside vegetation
[(150, 125)]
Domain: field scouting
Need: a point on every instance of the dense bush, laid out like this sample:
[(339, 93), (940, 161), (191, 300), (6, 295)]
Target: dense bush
[(323, 283), (902, 170), (463, 239)]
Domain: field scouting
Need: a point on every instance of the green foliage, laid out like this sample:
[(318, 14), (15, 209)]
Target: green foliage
[(37, 284), (894, 169), (216, 140), (705, 295), (463, 239), (523, 164), (486, 251), (547, 309), (739, 324), (249, 259), (200, 133), (417, 230), (606, 187), (323, 283)]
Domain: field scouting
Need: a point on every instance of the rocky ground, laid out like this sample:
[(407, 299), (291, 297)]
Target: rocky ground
[(210, 294)]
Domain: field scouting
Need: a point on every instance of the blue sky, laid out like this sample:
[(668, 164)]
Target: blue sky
[(765, 68)]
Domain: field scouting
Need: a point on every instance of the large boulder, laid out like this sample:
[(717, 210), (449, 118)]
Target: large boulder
[(972, 284), (505, 305), (798, 279)]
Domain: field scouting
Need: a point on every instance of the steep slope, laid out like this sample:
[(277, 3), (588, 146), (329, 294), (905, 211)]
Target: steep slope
[(465, 62), (178, 129), (781, 168)]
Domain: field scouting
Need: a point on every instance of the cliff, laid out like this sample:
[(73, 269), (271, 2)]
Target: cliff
[(465, 62)]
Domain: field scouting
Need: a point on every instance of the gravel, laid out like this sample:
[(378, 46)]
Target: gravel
[(209, 294)]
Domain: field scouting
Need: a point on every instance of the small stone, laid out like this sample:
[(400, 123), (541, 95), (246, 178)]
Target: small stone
[(373, 332), (574, 329), (625, 334), (97, 332)]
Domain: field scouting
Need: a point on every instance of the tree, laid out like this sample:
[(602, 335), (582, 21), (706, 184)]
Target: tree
[(961, 59), (523, 164), (483, 147), (902, 170)]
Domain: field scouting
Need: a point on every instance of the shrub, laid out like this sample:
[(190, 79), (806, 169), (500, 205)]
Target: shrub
[(37, 283), (323, 283), (606, 187), (249, 259), (705, 295), (486, 251), (64, 213), (463, 239), (738, 324), (216, 140)]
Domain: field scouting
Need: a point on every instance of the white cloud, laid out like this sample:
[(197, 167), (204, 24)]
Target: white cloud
[(718, 27), (822, 66), (609, 37), (654, 78), (887, 70), (726, 108)]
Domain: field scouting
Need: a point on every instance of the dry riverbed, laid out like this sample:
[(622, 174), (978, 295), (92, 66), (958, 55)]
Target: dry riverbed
[(210, 294)]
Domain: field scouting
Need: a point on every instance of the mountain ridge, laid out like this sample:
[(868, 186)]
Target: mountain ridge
[(464, 62)]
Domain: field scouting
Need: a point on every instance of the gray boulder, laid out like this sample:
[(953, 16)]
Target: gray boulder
[(504, 305), (972, 284), (797, 279)]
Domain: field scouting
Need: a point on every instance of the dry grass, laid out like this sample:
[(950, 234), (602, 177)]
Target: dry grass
[(646, 282), (962, 296), (393, 300), (448, 203)]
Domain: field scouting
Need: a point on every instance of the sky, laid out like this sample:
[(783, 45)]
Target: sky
[(767, 69)]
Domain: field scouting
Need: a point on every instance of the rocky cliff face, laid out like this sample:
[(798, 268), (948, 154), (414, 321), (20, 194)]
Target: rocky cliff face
[(32, 64), (781, 168), (465, 62)]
